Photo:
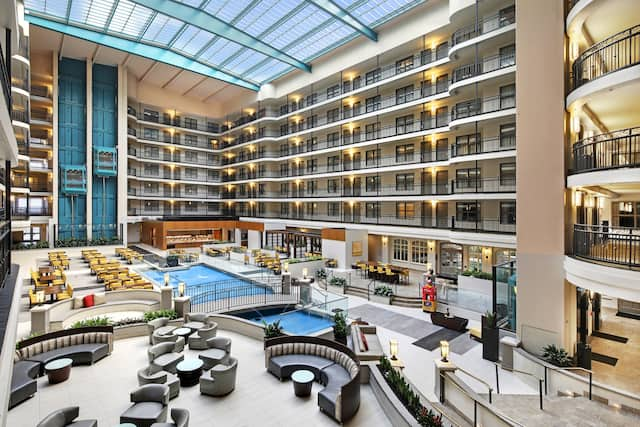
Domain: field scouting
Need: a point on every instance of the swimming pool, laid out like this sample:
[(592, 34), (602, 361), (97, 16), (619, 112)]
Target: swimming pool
[(204, 283), (298, 322)]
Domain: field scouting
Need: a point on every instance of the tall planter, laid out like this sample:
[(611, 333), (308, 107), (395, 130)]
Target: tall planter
[(490, 339)]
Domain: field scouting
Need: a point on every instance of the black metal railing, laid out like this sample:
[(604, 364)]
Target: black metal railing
[(614, 245), (224, 295), (486, 65), (5, 79), (619, 51), (505, 17), (479, 106), (611, 150)]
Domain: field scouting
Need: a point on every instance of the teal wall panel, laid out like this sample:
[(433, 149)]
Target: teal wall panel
[(72, 144), (104, 132)]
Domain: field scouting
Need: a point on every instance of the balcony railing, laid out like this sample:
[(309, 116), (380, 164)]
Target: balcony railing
[(619, 51), (175, 193), (4, 79), (614, 245), (198, 123), (479, 106), (612, 150), (19, 181), (483, 185), (20, 116), (176, 211), (486, 145), (42, 116), (481, 225), (177, 139), (487, 65), (383, 73), (386, 102), (502, 19), (24, 212), (41, 91)]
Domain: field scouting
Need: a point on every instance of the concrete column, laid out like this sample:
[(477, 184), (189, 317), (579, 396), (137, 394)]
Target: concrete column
[(122, 152), (55, 167), (182, 305), (89, 110), (166, 298), (540, 180), (40, 319)]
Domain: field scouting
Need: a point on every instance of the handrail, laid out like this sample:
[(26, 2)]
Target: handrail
[(502, 417), (540, 381), (570, 368), (610, 150), (480, 380)]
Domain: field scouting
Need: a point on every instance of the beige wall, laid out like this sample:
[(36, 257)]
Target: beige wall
[(540, 173)]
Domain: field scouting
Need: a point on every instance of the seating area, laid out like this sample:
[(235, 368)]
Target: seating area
[(270, 262), (333, 365), (129, 255), (184, 256), (382, 272), (113, 274), (51, 283), (66, 417), (84, 346)]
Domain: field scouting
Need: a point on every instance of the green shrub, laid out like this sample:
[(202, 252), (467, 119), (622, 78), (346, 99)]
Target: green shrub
[(321, 273), (338, 281), (383, 291), (477, 274), (151, 315), (410, 399), (128, 321), (556, 356), (97, 321), (340, 327), (272, 330)]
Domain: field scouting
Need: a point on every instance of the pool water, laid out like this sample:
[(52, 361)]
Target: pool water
[(295, 322), (194, 275), (204, 283)]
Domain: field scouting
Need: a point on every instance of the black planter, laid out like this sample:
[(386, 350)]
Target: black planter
[(341, 340), (584, 355), (490, 341)]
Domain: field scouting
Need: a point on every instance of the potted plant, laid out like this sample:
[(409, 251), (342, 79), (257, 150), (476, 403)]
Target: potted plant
[(382, 294), (340, 328), (322, 276), (272, 330), (490, 337), (172, 261), (556, 356)]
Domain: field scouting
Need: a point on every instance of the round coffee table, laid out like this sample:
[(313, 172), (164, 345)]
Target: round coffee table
[(182, 332), (189, 372), (58, 370), (302, 382)]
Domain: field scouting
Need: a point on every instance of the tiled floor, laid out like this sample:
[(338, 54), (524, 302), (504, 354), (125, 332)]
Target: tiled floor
[(627, 371), (102, 392)]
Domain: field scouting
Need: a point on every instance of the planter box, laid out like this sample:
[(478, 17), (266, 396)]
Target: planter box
[(490, 342), (380, 299), (391, 405)]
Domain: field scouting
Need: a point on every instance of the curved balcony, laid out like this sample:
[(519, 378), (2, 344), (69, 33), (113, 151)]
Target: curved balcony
[(506, 16), (618, 246), (480, 106), (486, 65), (619, 51), (612, 150)]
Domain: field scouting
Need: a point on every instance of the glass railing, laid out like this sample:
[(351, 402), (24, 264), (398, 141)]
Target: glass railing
[(476, 107), (505, 17), (505, 282), (486, 65), (615, 53), (611, 150)]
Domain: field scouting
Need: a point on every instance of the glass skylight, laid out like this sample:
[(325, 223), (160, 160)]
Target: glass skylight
[(280, 34)]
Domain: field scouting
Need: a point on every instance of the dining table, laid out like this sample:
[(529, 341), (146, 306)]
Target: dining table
[(52, 291)]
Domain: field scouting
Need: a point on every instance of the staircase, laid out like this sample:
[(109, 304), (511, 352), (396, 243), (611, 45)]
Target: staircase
[(406, 301), (562, 411), (356, 291)]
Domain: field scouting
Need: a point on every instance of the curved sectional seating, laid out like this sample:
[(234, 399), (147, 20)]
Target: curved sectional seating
[(334, 366), (84, 346)]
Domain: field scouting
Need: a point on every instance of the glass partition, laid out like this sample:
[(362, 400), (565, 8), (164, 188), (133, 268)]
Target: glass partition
[(505, 282)]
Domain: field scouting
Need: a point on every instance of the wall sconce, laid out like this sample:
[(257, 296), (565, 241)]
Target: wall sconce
[(577, 198), (575, 124), (385, 240), (601, 202), (574, 50), (393, 349), (167, 277), (444, 351), (181, 286), (285, 266), (305, 271)]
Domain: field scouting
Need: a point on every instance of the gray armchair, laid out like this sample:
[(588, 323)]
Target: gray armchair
[(65, 417), (195, 321), (161, 324), (153, 375), (219, 350), (179, 416), (198, 340), (164, 356), (157, 338), (222, 380), (149, 406)]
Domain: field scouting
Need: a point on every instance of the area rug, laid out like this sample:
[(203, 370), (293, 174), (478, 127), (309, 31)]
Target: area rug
[(610, 337), (604, 359), (396, 322), (432, 341)]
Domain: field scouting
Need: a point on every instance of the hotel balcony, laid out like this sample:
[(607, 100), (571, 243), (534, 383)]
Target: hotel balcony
[(174, 193), (24, 212), (617, 246), (503, 18), (194, 158), (480, 106)]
